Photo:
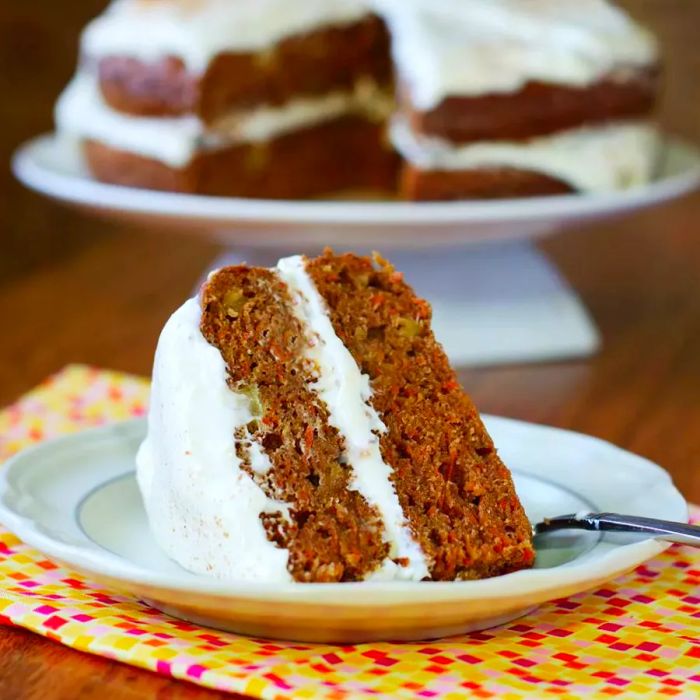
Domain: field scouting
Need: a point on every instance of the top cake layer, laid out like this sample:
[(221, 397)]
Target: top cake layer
[(196, 31), (446, 48)]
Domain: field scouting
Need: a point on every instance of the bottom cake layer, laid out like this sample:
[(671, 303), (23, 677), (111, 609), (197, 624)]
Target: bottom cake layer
[(481, 183), (349, 153), (590, 159)]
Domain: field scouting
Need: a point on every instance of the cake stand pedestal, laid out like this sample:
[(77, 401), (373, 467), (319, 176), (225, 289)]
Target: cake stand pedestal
[(498, 303)]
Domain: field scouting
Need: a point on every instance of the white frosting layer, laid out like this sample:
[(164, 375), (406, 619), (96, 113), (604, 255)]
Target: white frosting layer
[(596, 159), (473, 47), (346, 392), (198, 30), (204, 510), (81, 112)]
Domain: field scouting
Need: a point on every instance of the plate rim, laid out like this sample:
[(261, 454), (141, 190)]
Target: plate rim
[(103, 565), (208, 209)]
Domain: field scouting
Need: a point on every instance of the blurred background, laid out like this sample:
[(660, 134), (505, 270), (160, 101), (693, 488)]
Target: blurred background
[(80, 289), (38, 48)]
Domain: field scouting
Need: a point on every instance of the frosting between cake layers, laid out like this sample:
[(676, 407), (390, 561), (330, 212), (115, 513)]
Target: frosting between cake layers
[(346, 392), (197, 30), (82, 112), (448, 48), (204, 510), (591, 159)]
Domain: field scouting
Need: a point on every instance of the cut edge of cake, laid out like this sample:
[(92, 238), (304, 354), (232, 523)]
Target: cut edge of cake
[(351, 436)]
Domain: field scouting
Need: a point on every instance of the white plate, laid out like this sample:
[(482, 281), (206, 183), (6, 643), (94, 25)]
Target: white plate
[(75, 499), (53, 166)]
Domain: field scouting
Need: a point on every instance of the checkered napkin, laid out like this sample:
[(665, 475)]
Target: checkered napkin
[(636, 637)]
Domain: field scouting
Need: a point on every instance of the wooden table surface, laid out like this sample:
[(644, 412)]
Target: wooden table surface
[(76, 289)]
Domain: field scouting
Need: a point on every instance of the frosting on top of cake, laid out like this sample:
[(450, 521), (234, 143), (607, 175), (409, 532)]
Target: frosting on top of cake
[(197, 30), (203, 509), (448, 48), (590, 159)]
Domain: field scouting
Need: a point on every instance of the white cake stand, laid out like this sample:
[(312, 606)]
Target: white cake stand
[(496, 298)]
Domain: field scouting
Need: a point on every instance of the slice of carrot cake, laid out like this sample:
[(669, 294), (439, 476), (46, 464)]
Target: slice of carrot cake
[(305, 425)]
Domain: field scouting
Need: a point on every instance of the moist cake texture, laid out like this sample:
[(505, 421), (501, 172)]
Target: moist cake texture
[(248, 317), (447, 99), (306, 426)]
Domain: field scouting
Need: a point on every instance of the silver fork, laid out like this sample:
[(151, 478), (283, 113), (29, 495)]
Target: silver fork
[(666, 530)]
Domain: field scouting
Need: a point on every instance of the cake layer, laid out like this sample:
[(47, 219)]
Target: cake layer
[(478, 183), (445, 49), (455, 492), (331, 532), (592, 159), (329, 59), (196, 31), (348, 153), (537, 109)]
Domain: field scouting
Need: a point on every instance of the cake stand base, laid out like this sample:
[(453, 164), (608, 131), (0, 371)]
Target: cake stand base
[(501, 303)]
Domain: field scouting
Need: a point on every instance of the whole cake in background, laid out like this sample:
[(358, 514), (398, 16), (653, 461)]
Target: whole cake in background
[(420, 99), (306, 426), (258, 98)]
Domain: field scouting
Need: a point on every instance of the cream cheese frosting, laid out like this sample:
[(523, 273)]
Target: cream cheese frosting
[(592, 159), (203, 508), (448, 48), (82, 112), (346, 392), (197, 30)]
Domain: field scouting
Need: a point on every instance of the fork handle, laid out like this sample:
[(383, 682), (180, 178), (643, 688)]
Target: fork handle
[(666, 530)]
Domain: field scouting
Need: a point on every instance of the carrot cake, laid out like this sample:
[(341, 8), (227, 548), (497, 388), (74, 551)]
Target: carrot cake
[(306, 426), (421, 99), (513, 97)]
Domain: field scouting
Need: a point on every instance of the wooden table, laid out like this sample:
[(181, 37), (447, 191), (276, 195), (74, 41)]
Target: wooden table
[(75, 289)]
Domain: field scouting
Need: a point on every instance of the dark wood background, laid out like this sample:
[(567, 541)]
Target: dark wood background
[(78, 289)]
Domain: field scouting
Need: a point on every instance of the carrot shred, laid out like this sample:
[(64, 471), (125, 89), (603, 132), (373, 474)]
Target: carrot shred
[(309, 438)]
